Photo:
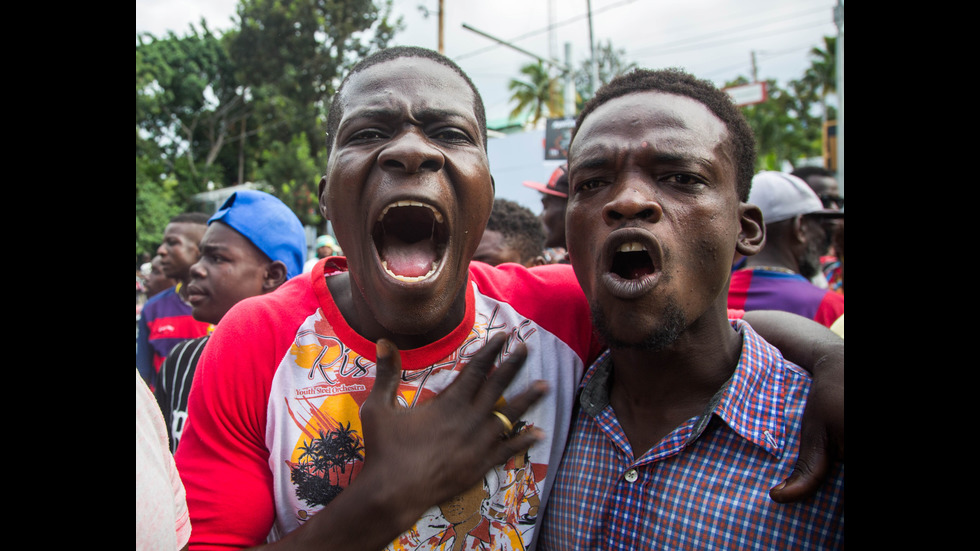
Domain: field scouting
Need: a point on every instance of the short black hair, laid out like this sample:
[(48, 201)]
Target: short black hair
[(805, 172), (678, 82), (518, 226), (396, 52), (191, 218)]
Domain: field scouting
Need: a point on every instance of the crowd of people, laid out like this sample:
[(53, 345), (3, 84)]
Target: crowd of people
[(467, 375)]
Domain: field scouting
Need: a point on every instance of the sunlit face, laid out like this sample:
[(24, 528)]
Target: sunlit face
[(408, 190), (230, 270), (653, 216), (179, 248)]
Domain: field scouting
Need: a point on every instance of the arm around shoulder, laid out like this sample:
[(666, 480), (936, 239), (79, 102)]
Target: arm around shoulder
[(820, 351)]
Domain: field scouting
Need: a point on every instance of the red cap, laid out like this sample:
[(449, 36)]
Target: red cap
[(556, 184)]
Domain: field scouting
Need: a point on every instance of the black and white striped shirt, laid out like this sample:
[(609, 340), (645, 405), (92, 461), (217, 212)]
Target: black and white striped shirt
[(174, 385)]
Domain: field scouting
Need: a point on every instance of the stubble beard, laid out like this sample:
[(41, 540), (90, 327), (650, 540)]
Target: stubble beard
[(664, 335)]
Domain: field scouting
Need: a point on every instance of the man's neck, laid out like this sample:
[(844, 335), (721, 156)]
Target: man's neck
[(655, 392), (774, 258), (181, 289), (360, 318)]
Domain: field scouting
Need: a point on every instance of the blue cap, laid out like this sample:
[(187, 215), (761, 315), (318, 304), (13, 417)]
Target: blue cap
[(269, 224)]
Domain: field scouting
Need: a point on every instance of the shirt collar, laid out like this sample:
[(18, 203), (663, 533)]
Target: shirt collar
[(751, 402)]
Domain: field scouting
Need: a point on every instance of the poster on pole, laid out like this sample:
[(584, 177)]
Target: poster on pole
[(748, 94), (557, 136)]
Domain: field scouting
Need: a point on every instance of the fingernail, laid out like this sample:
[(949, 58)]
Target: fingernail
[(381, 348)]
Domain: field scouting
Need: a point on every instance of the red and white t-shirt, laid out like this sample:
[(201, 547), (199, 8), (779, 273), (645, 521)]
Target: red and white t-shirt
[(273, 421)]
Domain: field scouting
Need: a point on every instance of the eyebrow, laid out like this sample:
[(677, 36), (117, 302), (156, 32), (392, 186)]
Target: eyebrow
[(423, 114), (602, 160)]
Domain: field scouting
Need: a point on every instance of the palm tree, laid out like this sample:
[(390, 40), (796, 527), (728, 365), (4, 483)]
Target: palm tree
[(538, 96), (822, 74)]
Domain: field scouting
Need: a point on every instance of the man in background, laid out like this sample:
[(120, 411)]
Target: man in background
[(253, 244), (165, 319), (554, 198), (326, 246), (513, 234), (778, 277)]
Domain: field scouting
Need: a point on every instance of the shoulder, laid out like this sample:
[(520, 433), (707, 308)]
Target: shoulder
[(766, 372), (548, 295), (513, 281), (156, 300), (264, 323)]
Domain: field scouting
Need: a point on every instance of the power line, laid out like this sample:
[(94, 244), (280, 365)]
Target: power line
[(530, 34), (698, 42)]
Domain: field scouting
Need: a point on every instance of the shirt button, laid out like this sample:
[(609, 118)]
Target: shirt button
[(631, 475)]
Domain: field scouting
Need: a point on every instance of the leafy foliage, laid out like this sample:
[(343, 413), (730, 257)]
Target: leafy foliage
[(538, 96), (611, 63), (249, 105)]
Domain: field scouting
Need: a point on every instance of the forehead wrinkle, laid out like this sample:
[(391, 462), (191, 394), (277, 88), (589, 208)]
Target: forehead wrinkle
[(667, 152), (423, 113)]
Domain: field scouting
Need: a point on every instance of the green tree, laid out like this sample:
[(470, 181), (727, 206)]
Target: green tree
[(291, 56), (188, 104), (784, 128), (293, 168), (249, 105), (822, 73), (187, 107), (538, 96), (612, 63)]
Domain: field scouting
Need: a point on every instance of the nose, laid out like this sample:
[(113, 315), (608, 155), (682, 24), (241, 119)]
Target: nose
[(412, 152), (196, 271), (162, 250), (632, 201)]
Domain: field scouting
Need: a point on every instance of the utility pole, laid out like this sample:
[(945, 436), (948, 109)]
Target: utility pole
[(755, 69), (595, 62), (553, 62), (442, 47), (839, 20), (569, 82)]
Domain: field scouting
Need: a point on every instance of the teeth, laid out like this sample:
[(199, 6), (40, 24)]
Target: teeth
[(631, 247), (411, 204), (432, 270)]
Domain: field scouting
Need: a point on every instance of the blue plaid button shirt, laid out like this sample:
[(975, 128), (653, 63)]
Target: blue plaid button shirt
[(705, 485)]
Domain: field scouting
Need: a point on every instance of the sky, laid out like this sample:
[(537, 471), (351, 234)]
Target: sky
[(712, 39)]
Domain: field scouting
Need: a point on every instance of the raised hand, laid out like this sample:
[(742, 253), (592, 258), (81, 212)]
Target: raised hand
[(440, 448)]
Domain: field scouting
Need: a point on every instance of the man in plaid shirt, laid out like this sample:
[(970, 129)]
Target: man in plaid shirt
[(689, 418)]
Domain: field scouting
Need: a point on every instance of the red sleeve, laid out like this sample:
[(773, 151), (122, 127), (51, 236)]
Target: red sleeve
[(222, 457), (550, 295), (831, 308)]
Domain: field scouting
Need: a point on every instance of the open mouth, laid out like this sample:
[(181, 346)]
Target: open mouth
[(410, 238), (632, 261)]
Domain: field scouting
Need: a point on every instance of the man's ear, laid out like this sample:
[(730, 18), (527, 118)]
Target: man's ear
[(752, 236), (275, 275), (321, 194), (799, 232)]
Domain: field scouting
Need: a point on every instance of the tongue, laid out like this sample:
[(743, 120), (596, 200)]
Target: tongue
[(409, 259)]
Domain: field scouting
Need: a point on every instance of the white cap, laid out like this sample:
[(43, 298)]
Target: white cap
[(782, 196)]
